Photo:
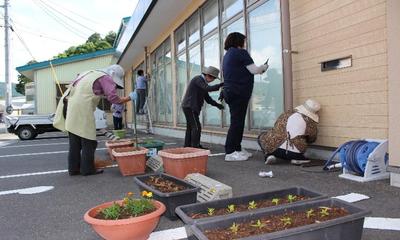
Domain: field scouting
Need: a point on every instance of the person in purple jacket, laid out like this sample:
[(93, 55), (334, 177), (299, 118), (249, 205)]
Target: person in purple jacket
[(74, 114)]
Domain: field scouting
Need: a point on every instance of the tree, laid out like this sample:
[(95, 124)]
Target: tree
[(92, 44), (22, 80)]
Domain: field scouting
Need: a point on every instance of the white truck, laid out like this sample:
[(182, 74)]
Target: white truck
[(27, 127)]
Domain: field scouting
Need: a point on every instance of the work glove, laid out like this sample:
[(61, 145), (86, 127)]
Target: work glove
[(221, 96), (133, 96), (220, 107)]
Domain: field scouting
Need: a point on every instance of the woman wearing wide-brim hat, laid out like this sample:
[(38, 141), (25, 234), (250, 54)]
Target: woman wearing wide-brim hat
[(292, 133)]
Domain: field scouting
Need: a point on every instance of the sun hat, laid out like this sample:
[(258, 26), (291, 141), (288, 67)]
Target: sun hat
[(117, 74), (309, 108), (213, 71)]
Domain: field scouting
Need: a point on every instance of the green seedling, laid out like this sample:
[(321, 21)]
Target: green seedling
[(258, 224), (252, 205), (310, 213), (210, 211), (231, 208), (324, 211), (113, 212), (291, 198), (275, 201), (234, 228), (286, 221)]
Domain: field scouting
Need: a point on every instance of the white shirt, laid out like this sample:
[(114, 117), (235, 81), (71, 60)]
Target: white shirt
[(295, 126)]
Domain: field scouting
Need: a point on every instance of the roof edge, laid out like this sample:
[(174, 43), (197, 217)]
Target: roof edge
[(59, 61)]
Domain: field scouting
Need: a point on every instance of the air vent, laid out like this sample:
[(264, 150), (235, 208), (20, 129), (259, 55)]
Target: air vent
[(336, 64)]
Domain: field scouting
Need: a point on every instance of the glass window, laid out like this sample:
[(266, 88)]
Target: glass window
[(194, 62), (237, 26), (181, 85), (160, 86), (211, 58), (210, 16), (230, 8), (194, 32), (180, 42), (267, 98), (168, 81)]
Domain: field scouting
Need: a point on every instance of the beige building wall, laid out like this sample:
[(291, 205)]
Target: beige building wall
[(46, 83), (354, 100)]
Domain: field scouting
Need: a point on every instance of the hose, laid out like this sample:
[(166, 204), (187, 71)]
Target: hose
[(353, 155)]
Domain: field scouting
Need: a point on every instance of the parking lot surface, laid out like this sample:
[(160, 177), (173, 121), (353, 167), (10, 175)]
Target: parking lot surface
[(58, 212)]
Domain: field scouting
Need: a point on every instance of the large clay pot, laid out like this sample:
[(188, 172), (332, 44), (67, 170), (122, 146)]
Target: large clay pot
[(138, 228), (117, 144), (131, 160)]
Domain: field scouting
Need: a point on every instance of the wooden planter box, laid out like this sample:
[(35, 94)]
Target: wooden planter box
[(185, 212), (179, 162), (172, 199), (131, 161), (117, 144), (347, 227)]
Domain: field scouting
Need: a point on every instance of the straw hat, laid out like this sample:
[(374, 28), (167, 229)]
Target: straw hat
[(309, 108), (117, 74), (213, 71)]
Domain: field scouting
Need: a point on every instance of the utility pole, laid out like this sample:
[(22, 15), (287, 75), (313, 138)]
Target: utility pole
[(7, 57)]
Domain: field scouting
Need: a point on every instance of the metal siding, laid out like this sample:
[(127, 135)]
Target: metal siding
[(46, 87)]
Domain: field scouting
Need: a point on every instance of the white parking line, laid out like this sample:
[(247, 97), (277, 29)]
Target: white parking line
[(216, 154), (169, 234), (40, 153), (31, 190)]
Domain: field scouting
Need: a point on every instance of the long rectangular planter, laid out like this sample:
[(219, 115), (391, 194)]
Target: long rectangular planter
[(184, 212), (171, 200), (348, 227)]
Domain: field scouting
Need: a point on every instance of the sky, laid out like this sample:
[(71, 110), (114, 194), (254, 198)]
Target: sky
[(36, 25)]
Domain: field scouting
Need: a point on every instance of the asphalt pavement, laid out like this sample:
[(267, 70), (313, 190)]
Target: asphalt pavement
[(58, 213)]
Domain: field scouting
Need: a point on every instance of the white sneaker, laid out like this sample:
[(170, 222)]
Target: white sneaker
[(271, 159), (235, 156), (246, 153)]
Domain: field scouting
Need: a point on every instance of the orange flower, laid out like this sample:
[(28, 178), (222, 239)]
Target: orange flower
[(130, 194)]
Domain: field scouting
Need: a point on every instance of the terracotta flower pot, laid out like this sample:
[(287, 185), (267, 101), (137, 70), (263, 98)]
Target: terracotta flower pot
[(179, 162), (117, 144), (138, 228), (131, 161)]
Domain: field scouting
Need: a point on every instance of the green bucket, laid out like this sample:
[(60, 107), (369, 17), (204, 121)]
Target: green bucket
[(119, 133), (153, 145)]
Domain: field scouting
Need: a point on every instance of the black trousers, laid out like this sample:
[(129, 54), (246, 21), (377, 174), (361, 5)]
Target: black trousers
[(81, 154), (193, 128), (238, 109), (141, 94), (287, 155), (117, 123)]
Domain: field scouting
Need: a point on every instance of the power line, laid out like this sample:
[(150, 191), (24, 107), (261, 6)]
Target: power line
[(73, 20), (36, 33), (60, 21), (76, 14), (23, 42)]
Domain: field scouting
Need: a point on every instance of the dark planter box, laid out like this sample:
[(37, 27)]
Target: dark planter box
[(184, 211), (171, 200), (348, 227)]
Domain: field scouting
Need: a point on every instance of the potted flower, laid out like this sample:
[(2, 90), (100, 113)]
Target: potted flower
[(179, 162), (117, 144), (131, 160), (169, 190), (130, 218), (321, 219)]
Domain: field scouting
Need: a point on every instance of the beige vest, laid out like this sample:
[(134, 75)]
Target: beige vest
[(82, 103)]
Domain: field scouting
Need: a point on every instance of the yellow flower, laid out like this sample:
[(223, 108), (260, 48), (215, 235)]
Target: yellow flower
[(147, 194), (126, 200)]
